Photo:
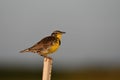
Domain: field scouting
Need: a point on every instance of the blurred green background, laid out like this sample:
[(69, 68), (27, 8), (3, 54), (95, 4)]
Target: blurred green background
[(80, 74)]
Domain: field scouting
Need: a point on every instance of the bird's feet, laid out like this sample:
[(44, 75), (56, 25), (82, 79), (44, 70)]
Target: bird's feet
[(46, 57)]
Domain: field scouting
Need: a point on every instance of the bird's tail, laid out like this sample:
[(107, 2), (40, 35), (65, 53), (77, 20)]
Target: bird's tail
[(26, 50)]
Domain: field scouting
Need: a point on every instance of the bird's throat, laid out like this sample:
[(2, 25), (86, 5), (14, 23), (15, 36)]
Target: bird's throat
[(59, 36)]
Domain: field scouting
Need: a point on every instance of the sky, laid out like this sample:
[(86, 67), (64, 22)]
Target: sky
[(92, 32)]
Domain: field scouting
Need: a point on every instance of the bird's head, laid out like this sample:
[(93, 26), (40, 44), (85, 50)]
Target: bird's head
[(58, 34)]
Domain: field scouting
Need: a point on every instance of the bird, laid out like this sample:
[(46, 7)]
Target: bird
[(47, 45)]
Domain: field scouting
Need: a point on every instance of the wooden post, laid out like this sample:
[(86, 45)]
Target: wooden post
[(47, 68)]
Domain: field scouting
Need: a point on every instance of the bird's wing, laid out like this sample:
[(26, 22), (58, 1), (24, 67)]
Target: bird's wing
[(45, 43)]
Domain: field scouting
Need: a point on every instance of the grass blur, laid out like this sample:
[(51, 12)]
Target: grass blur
[(82, 74)]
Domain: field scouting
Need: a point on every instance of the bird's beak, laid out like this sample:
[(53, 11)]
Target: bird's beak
[(63, 32)]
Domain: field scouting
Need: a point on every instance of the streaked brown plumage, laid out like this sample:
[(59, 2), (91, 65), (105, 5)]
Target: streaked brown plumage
[(47, 45)]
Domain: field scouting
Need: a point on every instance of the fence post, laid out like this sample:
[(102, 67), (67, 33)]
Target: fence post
[(47, 68)]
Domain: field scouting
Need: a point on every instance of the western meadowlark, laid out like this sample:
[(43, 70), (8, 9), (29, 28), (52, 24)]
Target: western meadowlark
[(47, 45)]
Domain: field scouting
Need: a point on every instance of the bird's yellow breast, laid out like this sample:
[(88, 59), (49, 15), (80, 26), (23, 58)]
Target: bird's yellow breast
[(54, 47)]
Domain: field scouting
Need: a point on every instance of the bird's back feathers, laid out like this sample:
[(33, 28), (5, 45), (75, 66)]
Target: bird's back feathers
[(42, 45)]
